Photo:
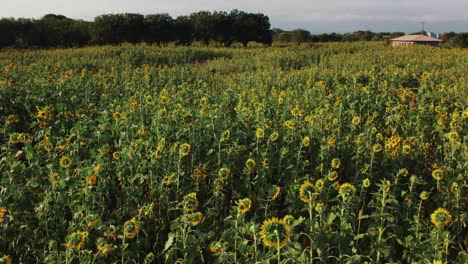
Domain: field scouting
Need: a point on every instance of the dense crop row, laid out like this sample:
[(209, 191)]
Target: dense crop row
[(333, 153)]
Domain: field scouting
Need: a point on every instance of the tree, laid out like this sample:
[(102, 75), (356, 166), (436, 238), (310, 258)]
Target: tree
[(300, 36), (222, 28), (203, 26), (159, 28), (183, 30), (118, 28), (7, 32), (251, 27), (460, 40)]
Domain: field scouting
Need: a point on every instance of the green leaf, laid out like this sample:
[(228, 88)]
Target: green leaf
[(170, 240)]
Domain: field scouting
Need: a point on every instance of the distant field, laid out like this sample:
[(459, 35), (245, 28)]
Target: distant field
[(331, 153)]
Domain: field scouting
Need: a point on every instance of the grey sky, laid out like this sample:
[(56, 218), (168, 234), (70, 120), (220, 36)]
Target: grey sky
[(316, 16)]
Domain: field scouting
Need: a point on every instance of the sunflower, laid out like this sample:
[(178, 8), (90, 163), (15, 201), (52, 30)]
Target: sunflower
[(366, 183), (184, 149), (454, 188), (306, 141), (65, 162), (276, 193), (250, 164), (335, 163), (42, 125), (274, 233), (346, 190), (266, 163), (332, 175), (403, 172), (259, 133), (116, 155), (42, 113), (331, 140), (377, 148), (224, 173), (215, 247), (356, 121), (131, 228), (307, 192), (225, 135), (133, 105), (93, 219), (76, 240), (48, 146), (453, 136), (441, 218), (320, 208), (243, 205), (424, 195), (196, 218), (406, 149), (319, 185), (198, 175), (288, 220), (274, 136), (438, 173), (190, 201), (103, 248)]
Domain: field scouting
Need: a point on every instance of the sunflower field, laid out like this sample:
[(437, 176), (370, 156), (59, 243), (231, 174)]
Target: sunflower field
[(329, 153)]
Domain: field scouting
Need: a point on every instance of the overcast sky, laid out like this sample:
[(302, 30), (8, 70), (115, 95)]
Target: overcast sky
[(317, 16)]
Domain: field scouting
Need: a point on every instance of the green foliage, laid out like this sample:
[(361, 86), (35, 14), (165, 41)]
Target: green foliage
[(340, 153)]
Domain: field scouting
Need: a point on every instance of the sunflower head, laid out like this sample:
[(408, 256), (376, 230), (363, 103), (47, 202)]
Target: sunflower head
[(244, 205), (366, 183), (377, 148), (332, 175), (441, 218), (116, 155), (356, 120), (276, 192), (190, 201), (438, 173), (76, 240), (406, 149), (274, 233), (259, 133), (288, 220), (335, 163), (131, 228), (320, 208), (184, 149), (274, 136), (424, 195), (195, 218), (250, 164), (225, 135), (103, 247), (306, 141), (307, 192), (65, 162), (319, 185), (346, 190), (224, 173), (453, 136)]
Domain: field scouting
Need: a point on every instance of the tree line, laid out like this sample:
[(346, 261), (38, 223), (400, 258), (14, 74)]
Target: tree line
[(204, 26), (299, 36), (57, 30)]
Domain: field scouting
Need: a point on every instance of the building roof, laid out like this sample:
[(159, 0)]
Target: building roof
[(416, 38)]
